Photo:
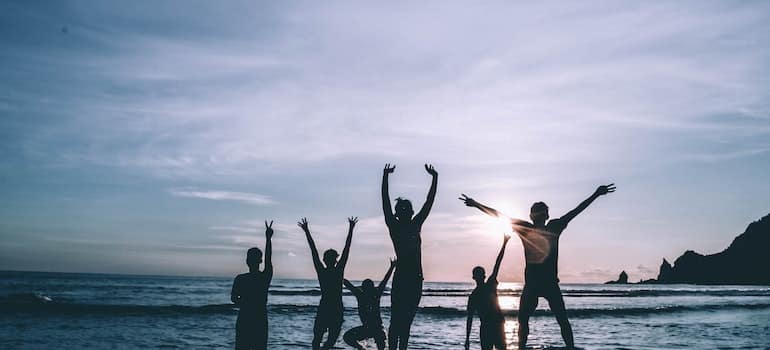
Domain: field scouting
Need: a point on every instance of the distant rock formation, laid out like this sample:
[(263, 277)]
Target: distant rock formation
[(745, 261), (622, 279), (665, 270)]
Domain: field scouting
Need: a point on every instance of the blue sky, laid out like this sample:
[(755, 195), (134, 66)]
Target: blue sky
[(145, 137)]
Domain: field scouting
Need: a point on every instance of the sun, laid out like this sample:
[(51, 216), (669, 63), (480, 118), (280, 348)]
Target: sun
[(502, 224)]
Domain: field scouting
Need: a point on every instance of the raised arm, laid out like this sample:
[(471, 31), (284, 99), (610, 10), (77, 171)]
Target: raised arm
[(491, 211), (473, 204), (269, 250), (423, 214), (346, 251), (600, 191), (386, 208), (469, 322), (493, 276), (353, 289), (313, 250), (384, 282)]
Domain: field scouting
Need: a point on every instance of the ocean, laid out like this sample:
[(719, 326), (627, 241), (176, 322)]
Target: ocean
[(99, 311)]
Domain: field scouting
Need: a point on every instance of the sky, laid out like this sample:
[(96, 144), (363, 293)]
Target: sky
[(156, 137)]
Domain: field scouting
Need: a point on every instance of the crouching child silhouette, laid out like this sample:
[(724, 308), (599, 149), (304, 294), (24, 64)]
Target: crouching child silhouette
[(249, 293), (368, 298)]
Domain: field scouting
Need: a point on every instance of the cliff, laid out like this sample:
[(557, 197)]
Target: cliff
[(745, 261)]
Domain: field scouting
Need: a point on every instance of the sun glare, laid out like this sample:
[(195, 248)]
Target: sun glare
[(498, 226), (502, 225)]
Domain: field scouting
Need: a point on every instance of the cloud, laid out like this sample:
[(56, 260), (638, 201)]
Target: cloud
[(234, 92), (244, 197), (242, 229), (507, 99)]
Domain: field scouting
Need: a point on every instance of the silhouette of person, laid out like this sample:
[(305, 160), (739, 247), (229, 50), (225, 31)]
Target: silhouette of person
[(540, 240), (249, 293), (404, 231), (330, 274), (483, 301), (369, 311)]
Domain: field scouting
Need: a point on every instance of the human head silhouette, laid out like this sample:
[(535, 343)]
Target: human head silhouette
[(479, 274), (253, 258), (539, 213), (404, 209), (330, 258), (367, 285)]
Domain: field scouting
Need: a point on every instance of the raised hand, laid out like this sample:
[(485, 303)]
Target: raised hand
[(429, 168), (269, 229), (303, 224), (352, 221), (467, 200), (389, 169), (604, 189)]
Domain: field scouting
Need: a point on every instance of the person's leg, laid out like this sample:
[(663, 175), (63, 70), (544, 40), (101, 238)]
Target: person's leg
[(240, 335), (379, 338), (410, 313), (500, 343), (485, 337), (527, 306), (244, 332), (556, 303), (260, 339), (353, 336), (334, 334), (393, 328), (319, 328), (396, 314), (405, 329)]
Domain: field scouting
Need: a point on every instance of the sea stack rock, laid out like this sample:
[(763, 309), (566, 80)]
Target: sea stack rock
[(622, 279), (665, 271)]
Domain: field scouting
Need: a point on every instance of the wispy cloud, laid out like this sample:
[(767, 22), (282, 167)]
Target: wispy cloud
[(233, 228), (244, 197), (511, 102)]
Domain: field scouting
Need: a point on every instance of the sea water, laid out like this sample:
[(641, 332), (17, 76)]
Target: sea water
[(99, 311)]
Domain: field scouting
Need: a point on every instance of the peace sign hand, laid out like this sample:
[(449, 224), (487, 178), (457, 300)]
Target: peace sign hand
[(468, 200), (269, 229), (604, 189)]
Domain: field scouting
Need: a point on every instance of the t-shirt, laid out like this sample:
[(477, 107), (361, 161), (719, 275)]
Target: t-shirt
[(541, 251), (252, 289)]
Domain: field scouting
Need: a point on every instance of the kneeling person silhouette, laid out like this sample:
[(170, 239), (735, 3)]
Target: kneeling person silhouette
[(483, 301), (369, 311)]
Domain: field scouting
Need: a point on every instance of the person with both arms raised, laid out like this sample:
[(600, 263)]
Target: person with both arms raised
[(404, 232), (330, 275)]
